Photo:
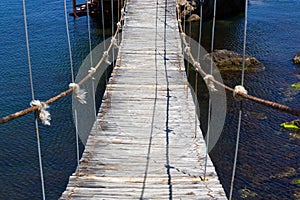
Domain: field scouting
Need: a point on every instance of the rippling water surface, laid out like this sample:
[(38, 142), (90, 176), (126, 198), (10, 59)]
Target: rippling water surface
[(268, 160), (19, 168)]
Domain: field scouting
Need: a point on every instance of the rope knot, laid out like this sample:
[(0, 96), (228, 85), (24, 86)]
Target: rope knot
[(187, 49), (209, 82), (196, 64), (238, 90), (114, 42), (92, 70), (119, 24), (183, 35), (105, 54), (80, 94), (42, 112)]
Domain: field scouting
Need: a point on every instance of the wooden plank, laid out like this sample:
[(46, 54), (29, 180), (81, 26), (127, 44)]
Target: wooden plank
[(130, 154)]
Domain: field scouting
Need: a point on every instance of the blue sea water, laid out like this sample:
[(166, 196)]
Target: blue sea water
[(269, 156), (19, 167), (268, 165)]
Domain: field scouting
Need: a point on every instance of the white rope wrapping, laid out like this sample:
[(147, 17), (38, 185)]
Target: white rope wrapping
[(239, 89), (208, 80), (92, 69), (182, 34), (106, 57), (114, 42), (80, 94), (43, 114), (187, 49), (196, 64)]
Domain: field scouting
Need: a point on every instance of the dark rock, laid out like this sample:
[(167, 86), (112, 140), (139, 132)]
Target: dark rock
[(296, 59), (229, 60), (193, 18), (225, 8)]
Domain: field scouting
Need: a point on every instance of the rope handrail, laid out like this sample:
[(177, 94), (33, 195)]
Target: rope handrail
[(196, 64), (70, 90)]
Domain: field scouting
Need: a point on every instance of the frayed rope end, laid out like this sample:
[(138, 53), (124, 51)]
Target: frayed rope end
[(80, 94), (210, 84), (43, 114)]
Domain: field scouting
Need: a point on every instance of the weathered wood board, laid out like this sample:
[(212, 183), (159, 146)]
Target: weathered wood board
[(143, 144)]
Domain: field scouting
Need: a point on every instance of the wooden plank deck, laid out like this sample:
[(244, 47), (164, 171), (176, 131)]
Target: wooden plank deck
[(143, 146)]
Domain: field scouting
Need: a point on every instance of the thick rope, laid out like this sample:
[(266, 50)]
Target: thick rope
[(266, 103), (37, 106), (70, 90)]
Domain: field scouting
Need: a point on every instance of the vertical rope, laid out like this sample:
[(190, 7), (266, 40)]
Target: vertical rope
[(32, 96), (209, 102), (103, 35), (240, 111), (73, 79), (28, 50), (119, 9), (198, 58), (213, 35), (112, 27), (112, 18), (200, 29), (184, 18), (89, 32), (91, 65), (103, 24), (196, 96), (69, 41), (245, 41), (91, 58)]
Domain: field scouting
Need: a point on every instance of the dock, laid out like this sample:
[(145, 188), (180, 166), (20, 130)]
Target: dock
[(146, 142)]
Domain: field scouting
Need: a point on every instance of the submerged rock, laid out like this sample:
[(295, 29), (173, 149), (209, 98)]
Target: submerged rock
[(246, 193), (229, 60), (228, 8), (193, 18), (296, 59)]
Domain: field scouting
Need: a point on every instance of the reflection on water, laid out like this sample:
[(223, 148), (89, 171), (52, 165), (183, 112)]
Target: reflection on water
[(268, 159)]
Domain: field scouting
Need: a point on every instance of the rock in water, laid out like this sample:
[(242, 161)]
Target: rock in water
[(296, 59), (193, 18), (229, 60)]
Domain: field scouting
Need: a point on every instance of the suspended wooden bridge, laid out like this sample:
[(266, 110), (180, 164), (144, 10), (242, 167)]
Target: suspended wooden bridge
[(146, 142)]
